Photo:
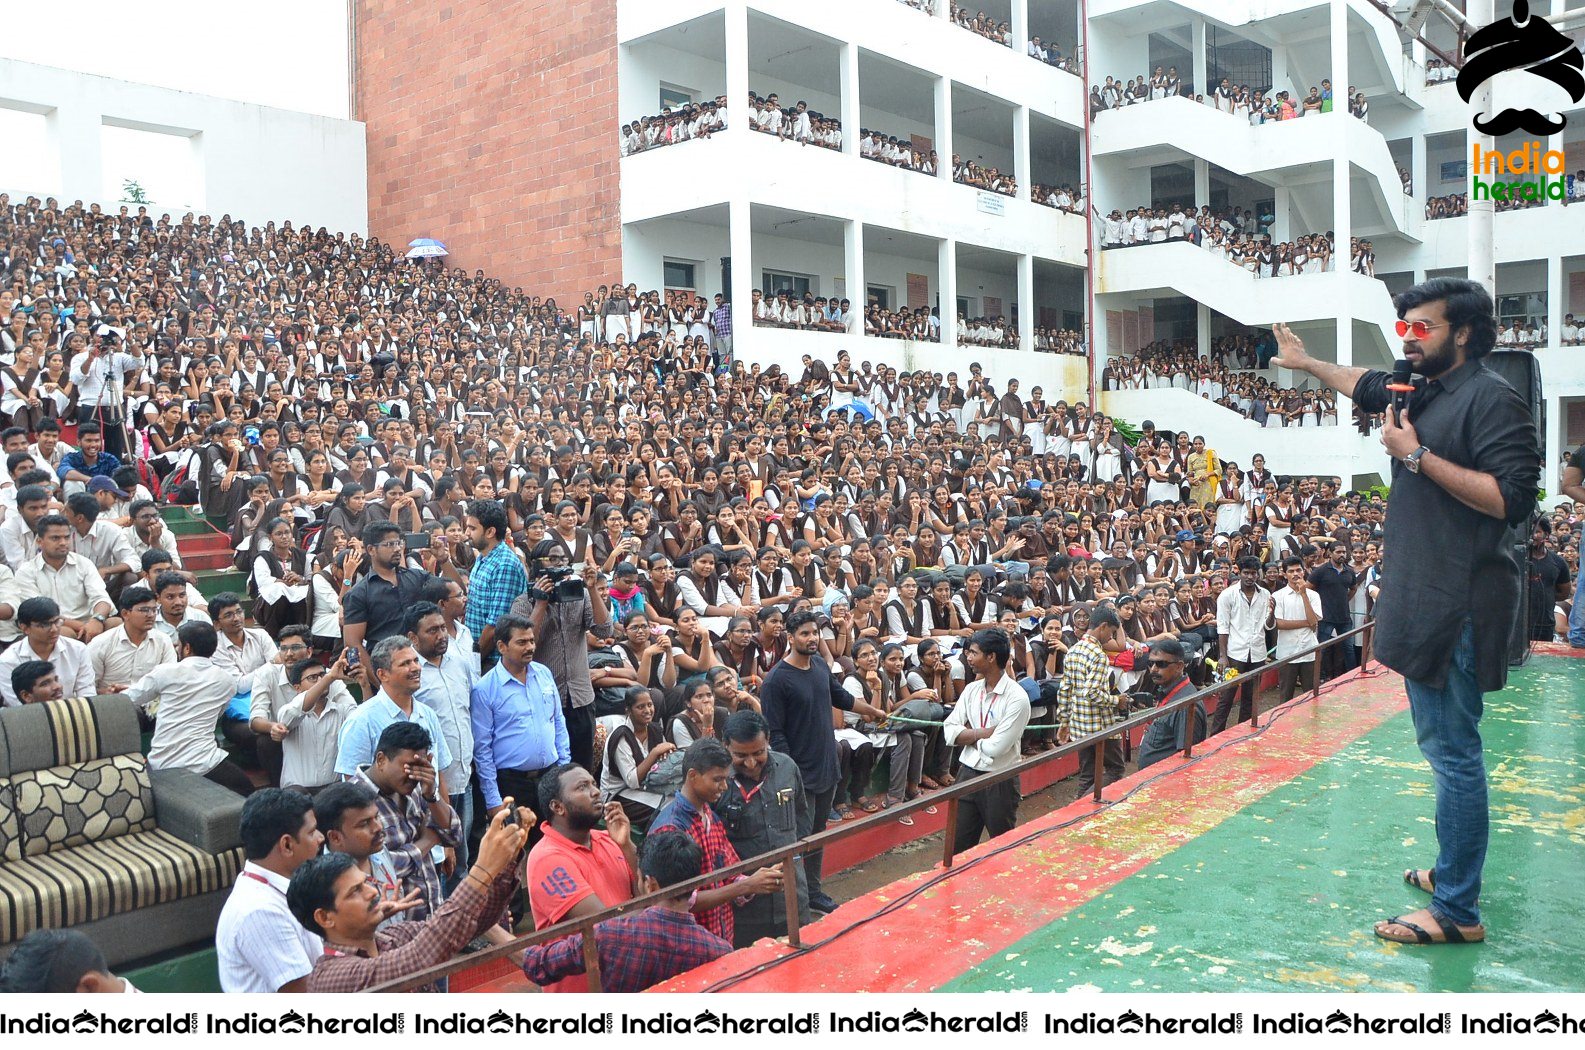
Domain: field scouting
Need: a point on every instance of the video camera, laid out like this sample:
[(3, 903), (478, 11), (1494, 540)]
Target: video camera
[(560, 585)]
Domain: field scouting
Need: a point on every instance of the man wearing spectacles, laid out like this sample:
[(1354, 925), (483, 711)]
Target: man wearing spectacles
[(376, 607), (124, 654), (1468, 468)]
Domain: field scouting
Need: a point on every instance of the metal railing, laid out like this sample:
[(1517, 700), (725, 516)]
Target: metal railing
[(787, 856)]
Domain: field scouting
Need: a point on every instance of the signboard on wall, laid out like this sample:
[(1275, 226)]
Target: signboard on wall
[(918, 291), (1454, 170), (991, 203)]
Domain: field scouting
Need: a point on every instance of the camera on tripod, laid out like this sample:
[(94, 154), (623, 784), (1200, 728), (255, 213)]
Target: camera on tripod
[(560, 585)]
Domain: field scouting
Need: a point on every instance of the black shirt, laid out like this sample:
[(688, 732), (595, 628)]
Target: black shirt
[(1546, 574), (798, 704), (1448, 562), (382, 607), (1333, 584)]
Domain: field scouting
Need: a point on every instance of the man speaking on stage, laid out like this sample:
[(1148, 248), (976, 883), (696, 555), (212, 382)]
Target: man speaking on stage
[(1465, 466)]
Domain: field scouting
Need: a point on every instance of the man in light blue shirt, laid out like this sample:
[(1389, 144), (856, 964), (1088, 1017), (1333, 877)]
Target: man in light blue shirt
[(519, 730), (445, 687), (399, 671)]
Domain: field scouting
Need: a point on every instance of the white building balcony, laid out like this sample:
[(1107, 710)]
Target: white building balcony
[(762, 169), (1337, 450), (1293, 156)]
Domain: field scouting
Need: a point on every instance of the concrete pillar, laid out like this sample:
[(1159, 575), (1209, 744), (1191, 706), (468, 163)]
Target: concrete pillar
[(1556, 290), (740, 245), (944, 127), (1480, 225), (853, 265), (1202, 182), (1197, 28), (75, 131), (1418, 175), (737, 74), (1555, 142), (1556, 430), (1342, 196), (850, 99), (1282, 206), (1202, 329), (1279, 71), (1021, 148), (1019, 25), (1026, 302), (947, 281)]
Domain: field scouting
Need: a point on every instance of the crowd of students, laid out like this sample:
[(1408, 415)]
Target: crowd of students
[(669, 127), (1241, 240), (1255, 105), (457, 498)]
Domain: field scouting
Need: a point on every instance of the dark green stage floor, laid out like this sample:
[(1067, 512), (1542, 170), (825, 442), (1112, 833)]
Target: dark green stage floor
[(1282, 895)]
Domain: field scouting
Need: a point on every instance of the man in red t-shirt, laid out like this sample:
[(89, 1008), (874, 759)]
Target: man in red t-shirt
[(575, 870)]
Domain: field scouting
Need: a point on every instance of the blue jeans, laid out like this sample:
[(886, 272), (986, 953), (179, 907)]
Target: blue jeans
[(1447, 728), (1576, 616)]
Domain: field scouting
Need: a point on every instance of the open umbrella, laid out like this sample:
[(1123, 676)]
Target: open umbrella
[(425, 248)]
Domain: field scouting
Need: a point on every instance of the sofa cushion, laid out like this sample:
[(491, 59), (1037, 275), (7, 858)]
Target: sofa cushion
[(66, 732), (98, 879), (10, 826), (66, 806)]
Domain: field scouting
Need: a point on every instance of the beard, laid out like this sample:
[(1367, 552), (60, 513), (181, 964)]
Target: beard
[(579, 820)]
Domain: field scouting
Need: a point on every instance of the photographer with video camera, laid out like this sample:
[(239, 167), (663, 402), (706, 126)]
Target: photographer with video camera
[(566, 622), (99, 374)]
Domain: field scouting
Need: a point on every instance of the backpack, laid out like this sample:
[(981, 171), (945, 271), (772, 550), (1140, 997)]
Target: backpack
[(608, 700)]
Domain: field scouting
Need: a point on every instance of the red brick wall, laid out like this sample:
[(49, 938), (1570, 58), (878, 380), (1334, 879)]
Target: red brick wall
[(493, 127)]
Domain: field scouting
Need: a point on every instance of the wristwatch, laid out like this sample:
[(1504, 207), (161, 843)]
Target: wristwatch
[(101, 617), (1412, 460)]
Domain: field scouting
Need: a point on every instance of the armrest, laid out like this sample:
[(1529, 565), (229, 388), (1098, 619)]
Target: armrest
[(198, 811)]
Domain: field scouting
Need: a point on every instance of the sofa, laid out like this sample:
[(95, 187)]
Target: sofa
[(140, 860)]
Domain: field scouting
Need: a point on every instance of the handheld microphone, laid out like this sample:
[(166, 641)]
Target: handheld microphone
[(1402, 384)]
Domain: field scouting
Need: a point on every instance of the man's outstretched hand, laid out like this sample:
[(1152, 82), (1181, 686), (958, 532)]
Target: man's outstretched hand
[(1290, 349)]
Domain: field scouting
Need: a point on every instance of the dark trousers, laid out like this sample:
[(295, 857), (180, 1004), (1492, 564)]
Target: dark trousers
[(522, 786), (580, 734), (1112, 766), (995, 809), (1340, 658), (1289, 676), (113, 432), (230, 776), (854, 765), (819, 804), (1243, 695)]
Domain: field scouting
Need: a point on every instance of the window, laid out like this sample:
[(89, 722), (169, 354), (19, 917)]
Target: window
[(963, 306), (675, 97), (678, 274), (796, 284), (880, 295)]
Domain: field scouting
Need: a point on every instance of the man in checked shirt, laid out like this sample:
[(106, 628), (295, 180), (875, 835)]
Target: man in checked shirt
[(640, 951), (1086, 702)]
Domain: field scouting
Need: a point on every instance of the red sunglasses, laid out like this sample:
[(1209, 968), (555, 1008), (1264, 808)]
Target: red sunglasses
[(1419, 329)]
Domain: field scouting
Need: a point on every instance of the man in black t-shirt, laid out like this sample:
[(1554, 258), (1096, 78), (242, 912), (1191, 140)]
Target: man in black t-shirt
[(1334, 581), (797, 698), (1549, 582)]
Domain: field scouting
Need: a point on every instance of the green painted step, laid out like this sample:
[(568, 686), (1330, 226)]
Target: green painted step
[(182, 971), (184, 522), (213, 581)]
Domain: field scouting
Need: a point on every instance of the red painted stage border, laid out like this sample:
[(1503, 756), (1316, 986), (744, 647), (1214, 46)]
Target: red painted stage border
[(980, 911)]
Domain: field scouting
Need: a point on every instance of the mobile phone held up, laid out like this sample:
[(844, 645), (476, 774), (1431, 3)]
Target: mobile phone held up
[(352, 656)]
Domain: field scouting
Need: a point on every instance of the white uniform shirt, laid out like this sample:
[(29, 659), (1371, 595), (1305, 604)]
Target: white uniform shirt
[(1244, 622), (70, 659), (261, 945), (1290, 606), (1006, 708), (116, 661), (76, 586), (191, 696)]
